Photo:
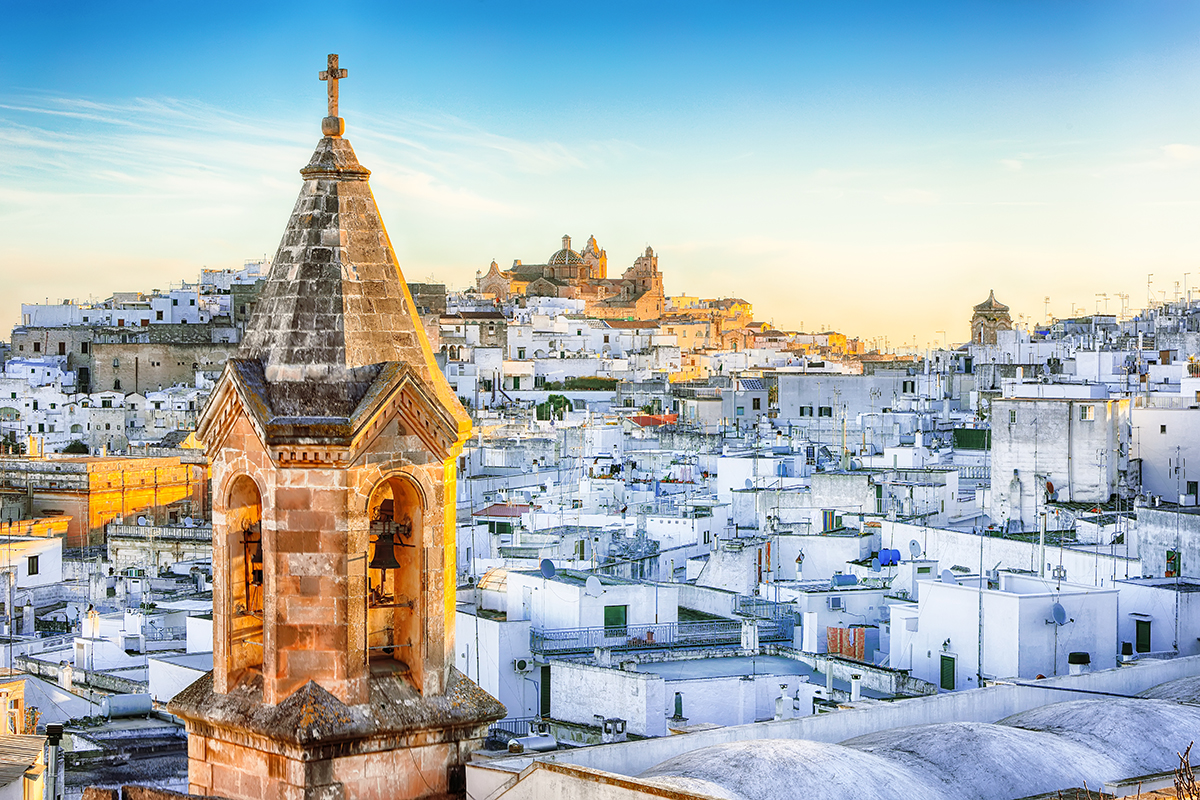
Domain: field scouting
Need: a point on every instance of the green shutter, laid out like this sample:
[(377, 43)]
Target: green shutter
[(614, 620), (948, 673)]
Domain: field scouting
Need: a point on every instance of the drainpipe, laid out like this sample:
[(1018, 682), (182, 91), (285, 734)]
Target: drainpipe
[(54, 732)]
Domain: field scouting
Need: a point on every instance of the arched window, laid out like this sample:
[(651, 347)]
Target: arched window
[(244, 559), (393, 607)]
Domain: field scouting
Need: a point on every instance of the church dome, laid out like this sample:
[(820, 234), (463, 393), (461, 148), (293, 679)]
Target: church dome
[(566, 256), (991, 304)]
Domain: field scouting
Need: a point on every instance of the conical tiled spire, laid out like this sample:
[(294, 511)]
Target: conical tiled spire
[(335, 301)]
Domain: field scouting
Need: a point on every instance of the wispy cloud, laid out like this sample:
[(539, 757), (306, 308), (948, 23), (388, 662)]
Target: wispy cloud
[(76, 147), (912, 197), (1184, 153)]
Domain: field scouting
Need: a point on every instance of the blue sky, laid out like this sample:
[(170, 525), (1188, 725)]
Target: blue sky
[(872, 167)]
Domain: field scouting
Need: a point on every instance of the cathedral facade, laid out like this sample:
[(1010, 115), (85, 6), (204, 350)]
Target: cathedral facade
[(637, 294)]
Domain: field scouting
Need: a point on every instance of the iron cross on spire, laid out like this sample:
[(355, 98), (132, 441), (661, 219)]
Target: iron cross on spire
[(333, 125)]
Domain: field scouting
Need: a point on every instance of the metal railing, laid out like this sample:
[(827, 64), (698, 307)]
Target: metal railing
[(513, 727), (750, 606), (155, 634), (718, 633), (200, 533)]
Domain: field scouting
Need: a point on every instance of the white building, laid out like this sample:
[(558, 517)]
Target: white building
[(1022, 625), (1057, 441)]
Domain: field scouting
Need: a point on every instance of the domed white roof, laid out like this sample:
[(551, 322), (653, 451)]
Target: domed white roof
[(1059, 746), (767, 769)]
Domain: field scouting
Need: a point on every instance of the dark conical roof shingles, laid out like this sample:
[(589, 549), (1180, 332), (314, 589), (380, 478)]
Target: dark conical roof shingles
[(335, 302)]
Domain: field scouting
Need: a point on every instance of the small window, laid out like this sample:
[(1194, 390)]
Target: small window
[(909, 387), (1162, 428), (1087, 413), (174, 302), (825, 411), (62, 348), (1012, 416), (520, 353), (924, 570), (756, 403), (158, 316), (37, 347), (606, 338), (741, 411), (83, 348), (32, 565)]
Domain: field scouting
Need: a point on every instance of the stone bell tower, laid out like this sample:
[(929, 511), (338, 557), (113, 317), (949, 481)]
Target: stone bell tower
[(333, 438)]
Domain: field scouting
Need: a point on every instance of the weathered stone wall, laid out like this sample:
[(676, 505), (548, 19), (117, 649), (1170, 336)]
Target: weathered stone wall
[(150, 366), (429, 767)]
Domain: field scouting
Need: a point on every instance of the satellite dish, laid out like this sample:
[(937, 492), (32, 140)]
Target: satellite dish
[(188, 522), (1059, 613), (749, 483), (592, 587), (72, 613), (914, 548), (874, 565), (141, 520), (948, 577), (548, 570)]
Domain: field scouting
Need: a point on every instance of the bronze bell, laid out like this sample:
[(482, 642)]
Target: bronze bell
[(256, 563), (252, 542), (384, 556)]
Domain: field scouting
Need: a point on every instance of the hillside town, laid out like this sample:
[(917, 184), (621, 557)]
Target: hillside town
[(303, 529), (670, 518)]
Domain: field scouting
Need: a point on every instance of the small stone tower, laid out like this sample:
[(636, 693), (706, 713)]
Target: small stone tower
[(990, 316), (333, 439)]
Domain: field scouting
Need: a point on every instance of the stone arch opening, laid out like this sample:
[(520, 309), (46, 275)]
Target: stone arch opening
[(244, 562), (395, 549)]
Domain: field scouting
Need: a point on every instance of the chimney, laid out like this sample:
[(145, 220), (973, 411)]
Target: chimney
[(855, 688)]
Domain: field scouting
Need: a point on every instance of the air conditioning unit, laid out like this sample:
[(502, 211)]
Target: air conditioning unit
[(835, 604), (522, 664)]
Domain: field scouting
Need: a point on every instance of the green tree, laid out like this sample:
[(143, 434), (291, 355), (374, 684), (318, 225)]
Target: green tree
[(556, 406)]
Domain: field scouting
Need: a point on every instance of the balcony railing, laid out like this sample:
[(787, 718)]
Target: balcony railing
[(718, 633), (512, 728)]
